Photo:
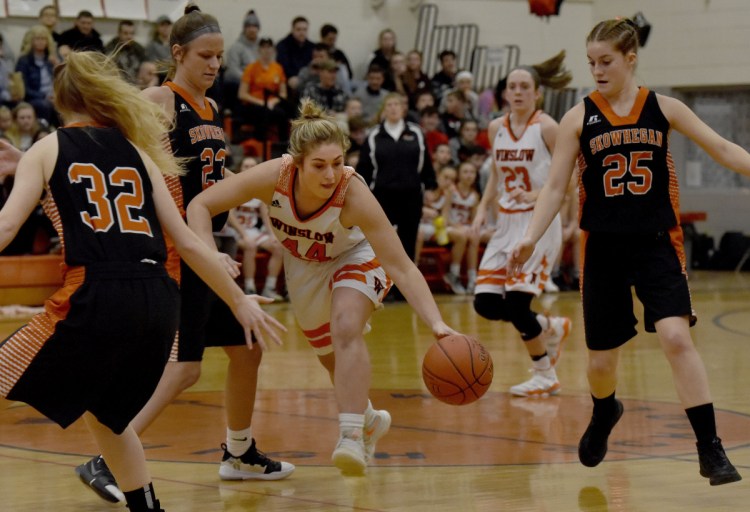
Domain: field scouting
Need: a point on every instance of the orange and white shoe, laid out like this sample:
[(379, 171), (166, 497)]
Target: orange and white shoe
[(377, 424), (554, 337)]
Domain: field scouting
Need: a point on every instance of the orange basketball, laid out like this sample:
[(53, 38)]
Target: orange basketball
[(457, 369)]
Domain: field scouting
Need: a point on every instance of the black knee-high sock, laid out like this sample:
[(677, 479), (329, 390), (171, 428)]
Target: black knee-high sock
[(143, 499), (703, 421)]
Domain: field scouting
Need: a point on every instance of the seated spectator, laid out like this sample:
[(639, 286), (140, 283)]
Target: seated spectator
[(295, 51), (357, 133), (7, 98), (467, 137), (127, 52), (441, 157), (148, 75), (48, 16), (459, 213), (83, 35), (429, 120), (263, 93), (352, 158), (373, 94), (328, 36), (311, 73), (325, 92), (35, 67), (423, 100), (6, 53), (243, 52), (157, 49), (24, 126), (455, 113), (394, 81), (353, 108), (477, 155), (415, 80), (381, 57), (6, 121), (253, 231), (442, 81), (432, 207), (464, 82)]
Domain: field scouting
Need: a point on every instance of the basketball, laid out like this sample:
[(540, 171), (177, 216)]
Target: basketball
[(457, 369)]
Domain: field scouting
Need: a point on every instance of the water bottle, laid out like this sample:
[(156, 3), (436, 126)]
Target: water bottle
[(441, 234)]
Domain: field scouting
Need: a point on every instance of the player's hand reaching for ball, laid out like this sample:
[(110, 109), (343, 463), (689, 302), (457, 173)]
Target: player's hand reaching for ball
[(441, 330)]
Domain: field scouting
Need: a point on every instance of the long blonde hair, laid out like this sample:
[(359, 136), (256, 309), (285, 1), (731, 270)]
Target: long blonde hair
[(90, 83), (41, 31), (312, 129)]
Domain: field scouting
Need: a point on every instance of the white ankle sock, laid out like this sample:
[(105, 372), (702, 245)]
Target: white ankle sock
[(239, 441), (270, 284), (351, 425), (542, 365)]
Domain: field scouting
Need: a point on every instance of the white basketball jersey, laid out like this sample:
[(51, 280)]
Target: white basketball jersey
[(521, 162), (461, 207), (248, 214), (320, 237)]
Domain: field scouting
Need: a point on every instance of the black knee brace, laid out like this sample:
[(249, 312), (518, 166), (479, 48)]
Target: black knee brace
[(491, 306), (518, 305)]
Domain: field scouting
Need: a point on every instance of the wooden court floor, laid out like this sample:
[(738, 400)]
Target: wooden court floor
[(498, 454)]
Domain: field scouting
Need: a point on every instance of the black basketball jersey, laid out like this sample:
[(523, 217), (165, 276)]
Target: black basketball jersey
[(198, 136), (627, 179), (99, 199)]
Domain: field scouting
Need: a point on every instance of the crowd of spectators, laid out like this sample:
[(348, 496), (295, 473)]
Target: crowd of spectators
[(441, 120)]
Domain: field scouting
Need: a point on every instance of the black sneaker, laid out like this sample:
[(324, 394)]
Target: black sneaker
[(252, 465), (593, 445), (715, 465), (96, 475)]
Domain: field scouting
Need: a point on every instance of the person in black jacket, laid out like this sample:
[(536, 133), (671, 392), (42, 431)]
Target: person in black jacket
[(395, 162)]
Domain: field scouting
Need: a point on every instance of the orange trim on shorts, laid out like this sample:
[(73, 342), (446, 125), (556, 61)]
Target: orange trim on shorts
[(677, 239), (320, 343), (318, 331), (505, 210), (349, 275), (320, 336), (19, 350)]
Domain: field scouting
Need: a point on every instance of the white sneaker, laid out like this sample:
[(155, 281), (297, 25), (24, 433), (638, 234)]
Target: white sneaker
[(554, 337), (551, 287), (542, 383), (377, 424), (271, 294), (454, 283), (350, 456)]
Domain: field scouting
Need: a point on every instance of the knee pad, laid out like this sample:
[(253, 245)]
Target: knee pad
[(490, 306), (520, 315)]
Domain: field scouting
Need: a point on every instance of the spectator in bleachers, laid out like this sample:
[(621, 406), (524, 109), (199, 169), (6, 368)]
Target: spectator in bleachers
[(459, 213), (353, 108), (464, 82), (467, 137), (432, 207), (325, 92), (442, 157), (394, 81), (83, 35), (423, 100), (48, 16), (311, 72), (6, 120), (36, 68), (442, 81), (328, 36), (395, 163), (357, 132), (243, 52), (6, 98), (429, 121), (7, 54), (24, 126), (381, 57), (148, 75), (415, 79), (454, 114), (157, 49), (295, 51), (478, 155), (263, 93), (128, 53), (373, 94)]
